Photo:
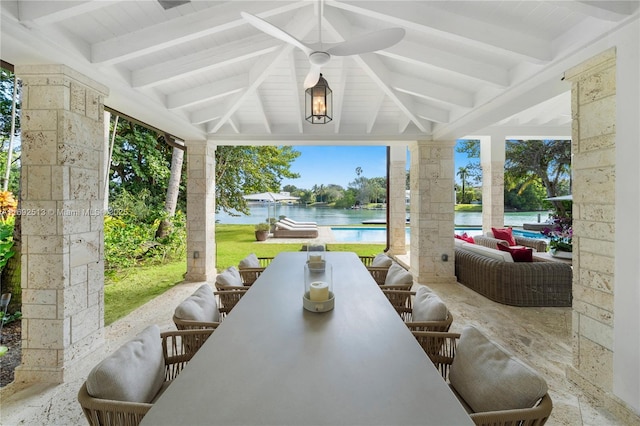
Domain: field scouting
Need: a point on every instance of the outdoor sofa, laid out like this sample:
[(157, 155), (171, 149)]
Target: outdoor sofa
[(495, 275)]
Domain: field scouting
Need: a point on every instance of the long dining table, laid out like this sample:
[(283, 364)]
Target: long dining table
[(271, 362)]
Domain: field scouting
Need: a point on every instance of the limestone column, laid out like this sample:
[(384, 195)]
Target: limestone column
[(62, 220), (201, 204), (593, 105), (396, 199), (432, 211), (492, 157)]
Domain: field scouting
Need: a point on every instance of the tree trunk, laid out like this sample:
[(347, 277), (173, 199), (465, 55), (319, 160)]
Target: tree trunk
[(173, 189)]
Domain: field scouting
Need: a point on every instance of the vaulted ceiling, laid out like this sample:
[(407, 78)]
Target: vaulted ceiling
[(198, 70)]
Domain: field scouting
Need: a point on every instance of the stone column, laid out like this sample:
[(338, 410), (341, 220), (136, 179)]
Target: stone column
[(396, 199), (593, 105), (432, 212), (492, 157), (62, 220), (201, 204)]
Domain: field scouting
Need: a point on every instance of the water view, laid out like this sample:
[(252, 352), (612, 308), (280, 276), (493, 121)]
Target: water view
[(326, 216)]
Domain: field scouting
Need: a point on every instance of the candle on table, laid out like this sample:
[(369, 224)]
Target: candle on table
[(318, 291), (315, 258)]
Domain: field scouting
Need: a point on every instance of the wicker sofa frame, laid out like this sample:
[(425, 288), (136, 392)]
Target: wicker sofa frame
[(537, 283)]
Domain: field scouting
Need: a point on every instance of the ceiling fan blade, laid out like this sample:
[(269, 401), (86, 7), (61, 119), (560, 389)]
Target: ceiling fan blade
[(312, 77), (370, 42), (274, 31)]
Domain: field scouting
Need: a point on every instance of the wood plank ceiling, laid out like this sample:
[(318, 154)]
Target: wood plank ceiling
[(198, 70)]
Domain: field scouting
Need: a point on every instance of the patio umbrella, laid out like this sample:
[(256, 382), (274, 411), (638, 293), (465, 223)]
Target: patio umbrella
[(270, 196)]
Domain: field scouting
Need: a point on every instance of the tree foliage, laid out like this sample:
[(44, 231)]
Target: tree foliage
[(242, 170)]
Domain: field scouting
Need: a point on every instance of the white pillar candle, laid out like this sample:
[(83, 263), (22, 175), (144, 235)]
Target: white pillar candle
[(318, 291)]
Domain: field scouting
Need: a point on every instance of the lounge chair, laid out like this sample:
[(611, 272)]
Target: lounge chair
[(295, 223), (284, 230)]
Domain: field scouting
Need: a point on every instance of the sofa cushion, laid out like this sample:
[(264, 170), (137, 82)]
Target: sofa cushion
[(427, 306), (489, 252), (398, 275), (229, 277), (519, 254), (381, 261), (200, 306), (134, 372), (489, 378), (505, 234), (251, 261)]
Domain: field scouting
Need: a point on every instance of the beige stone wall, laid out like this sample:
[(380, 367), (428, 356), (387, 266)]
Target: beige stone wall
[(62, 220), (593, 146), (201, 246), (432, 211)]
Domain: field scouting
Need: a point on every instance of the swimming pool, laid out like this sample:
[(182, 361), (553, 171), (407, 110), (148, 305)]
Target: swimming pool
[(378, 234)]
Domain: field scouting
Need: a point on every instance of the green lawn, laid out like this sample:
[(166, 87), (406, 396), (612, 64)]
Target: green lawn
[(126, 290)]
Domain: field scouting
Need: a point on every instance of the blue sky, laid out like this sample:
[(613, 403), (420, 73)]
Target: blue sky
[(324, 165)]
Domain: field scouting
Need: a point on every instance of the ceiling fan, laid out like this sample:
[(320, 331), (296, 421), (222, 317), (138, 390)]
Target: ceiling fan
[(318, 56)]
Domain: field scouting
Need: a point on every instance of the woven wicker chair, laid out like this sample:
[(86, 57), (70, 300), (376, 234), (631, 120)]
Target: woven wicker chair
[(228, 299), (441, 349), (178, 347), (379, 273), (250, 275), (402, 303)]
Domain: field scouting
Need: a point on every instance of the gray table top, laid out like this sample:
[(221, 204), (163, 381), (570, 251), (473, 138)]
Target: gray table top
[(273, 363)]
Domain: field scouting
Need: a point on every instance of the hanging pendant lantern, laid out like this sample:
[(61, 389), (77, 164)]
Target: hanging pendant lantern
[(319, 103)]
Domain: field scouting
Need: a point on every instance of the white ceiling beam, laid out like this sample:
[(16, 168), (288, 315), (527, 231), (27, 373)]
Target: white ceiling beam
[(261, 111), (183, 29), (214, 112), (49, 12), (374, 111), (207, 60), (338, 96), (431, 113), (296, 95), (403, 123), (430, 58), (207, 92), (607, 10), (429, 90), (419, 16)]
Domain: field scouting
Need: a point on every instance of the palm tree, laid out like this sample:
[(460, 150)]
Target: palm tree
[(463, 173)]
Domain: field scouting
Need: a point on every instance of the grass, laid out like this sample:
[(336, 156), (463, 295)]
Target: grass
[(127, 290), (468, 207)]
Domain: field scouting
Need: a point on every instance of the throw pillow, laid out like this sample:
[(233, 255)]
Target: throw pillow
[(200, 306), (523, 254), (398, 275), (251, 261), (489, 378), (133, 373), (465, 237), (229, 277), (427, 306), (504, 234), (381, 261)]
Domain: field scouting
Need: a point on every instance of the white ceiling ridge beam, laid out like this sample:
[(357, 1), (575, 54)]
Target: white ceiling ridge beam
[(432, 91), (263, 68), (371, 64), (374, 111), (181, 30), (261, 111), (418, 16), (297, 97), (431, 58), (207, 92), (49, 12), (338, 97), (607, 10), (181, 68), (257, 75)]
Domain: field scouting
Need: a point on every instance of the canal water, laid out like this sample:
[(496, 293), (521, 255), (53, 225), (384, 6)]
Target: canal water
[(327, 216)]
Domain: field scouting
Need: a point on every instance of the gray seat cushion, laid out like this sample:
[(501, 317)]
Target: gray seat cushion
[(134, 372), (381, 261), (427, 306), (200, 306), (229, 277), (489, 378), (398, 275), (251, 261)]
